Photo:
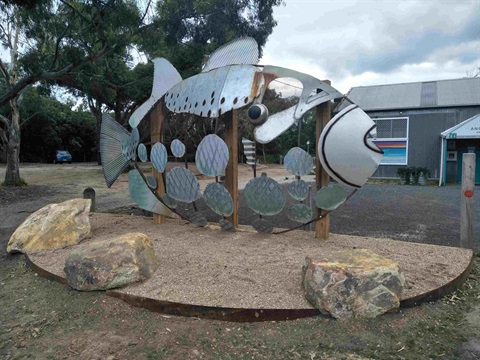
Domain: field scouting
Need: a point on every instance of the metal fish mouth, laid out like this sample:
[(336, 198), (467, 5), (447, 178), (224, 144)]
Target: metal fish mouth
[(369, 143), (346, 155)]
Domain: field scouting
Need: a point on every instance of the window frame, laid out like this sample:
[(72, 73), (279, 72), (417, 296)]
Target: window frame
[(406, 139)]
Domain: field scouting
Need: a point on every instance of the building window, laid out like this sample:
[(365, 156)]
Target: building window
[(392, 138)]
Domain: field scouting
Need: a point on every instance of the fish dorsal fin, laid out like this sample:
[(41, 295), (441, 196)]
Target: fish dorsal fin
[(165, 76), (242, 51)]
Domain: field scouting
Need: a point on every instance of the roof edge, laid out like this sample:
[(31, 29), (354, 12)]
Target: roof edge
[(444, 134)]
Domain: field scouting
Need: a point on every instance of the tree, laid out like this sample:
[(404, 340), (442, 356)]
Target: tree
[(47, 125), (191, 29), (473, 73), (49, 40), (110, 84)]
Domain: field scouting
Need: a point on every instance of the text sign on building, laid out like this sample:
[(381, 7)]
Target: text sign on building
[(467, 130)]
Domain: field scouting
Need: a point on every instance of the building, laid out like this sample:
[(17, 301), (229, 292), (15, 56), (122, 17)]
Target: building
[(414, 120), (459, 139)]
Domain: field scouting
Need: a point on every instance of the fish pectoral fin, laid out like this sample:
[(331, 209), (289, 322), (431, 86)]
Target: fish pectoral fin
[(275, 125)]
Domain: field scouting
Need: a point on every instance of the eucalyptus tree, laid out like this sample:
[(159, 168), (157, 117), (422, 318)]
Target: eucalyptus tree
[(48, 40)]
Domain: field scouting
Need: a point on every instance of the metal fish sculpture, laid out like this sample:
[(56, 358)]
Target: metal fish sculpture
[(230, 79)]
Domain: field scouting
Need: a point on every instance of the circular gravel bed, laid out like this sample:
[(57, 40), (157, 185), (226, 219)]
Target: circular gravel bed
[(205, 268)]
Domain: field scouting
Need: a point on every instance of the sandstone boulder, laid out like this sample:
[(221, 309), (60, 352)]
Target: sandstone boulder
[(53, 226), (352, 283), (111, 263)]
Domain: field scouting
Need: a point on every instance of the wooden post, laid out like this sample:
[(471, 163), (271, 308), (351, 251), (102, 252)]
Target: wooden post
[(467, 207), (231, 172), (157, 117), (322, 226)]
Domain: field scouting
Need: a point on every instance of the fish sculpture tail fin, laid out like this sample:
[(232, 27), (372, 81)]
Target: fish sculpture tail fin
[(165, 76), (114, 148)]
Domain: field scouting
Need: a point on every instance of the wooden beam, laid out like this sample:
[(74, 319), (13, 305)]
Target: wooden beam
[(322, 116), (157, 116), (231, 172)]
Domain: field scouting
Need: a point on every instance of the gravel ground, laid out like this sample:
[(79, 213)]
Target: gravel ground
[(428, 215)]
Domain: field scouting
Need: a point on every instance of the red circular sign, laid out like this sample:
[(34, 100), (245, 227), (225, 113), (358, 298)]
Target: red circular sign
[(468, 193)]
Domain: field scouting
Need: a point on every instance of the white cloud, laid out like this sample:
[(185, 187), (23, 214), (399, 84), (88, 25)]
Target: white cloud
[(357, 43)]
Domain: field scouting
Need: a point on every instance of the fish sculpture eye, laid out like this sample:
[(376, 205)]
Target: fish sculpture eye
[(257, 114)]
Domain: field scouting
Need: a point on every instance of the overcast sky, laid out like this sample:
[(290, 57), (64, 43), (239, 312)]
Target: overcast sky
[(366, 42), (370, 42)]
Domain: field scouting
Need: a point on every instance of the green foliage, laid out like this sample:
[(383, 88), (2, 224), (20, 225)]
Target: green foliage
[(403, 172), (185, 31), (54, 41), (425, 171), (58, 38), (85, 46), (216, 21), (49, 125)]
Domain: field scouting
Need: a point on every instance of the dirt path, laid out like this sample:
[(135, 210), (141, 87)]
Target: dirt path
[(45, 320)]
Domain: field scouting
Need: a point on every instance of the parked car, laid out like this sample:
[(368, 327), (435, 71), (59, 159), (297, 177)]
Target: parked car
[(62, 156)]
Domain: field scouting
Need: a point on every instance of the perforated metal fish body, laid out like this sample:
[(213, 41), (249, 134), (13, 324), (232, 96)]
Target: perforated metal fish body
[(231, 80), (216, 92)]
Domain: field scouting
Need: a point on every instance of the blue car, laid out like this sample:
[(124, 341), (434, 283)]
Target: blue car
[(62, 156)]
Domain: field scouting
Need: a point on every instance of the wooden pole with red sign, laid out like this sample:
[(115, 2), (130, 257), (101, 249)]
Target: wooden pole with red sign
[(467, 207)]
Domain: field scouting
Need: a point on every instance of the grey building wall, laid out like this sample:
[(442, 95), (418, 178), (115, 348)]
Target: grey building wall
[(424, 143)]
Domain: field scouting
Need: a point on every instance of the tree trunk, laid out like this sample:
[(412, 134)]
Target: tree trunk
[(12, 173)]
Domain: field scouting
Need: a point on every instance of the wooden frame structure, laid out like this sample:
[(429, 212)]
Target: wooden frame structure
[(323, 115)]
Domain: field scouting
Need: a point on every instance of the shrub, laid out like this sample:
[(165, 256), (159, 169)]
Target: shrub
[(426, 171), (404, 173)]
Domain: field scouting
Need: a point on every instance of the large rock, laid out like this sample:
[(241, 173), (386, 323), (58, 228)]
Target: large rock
[(53, 226), (352, 283), (111, 263)]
